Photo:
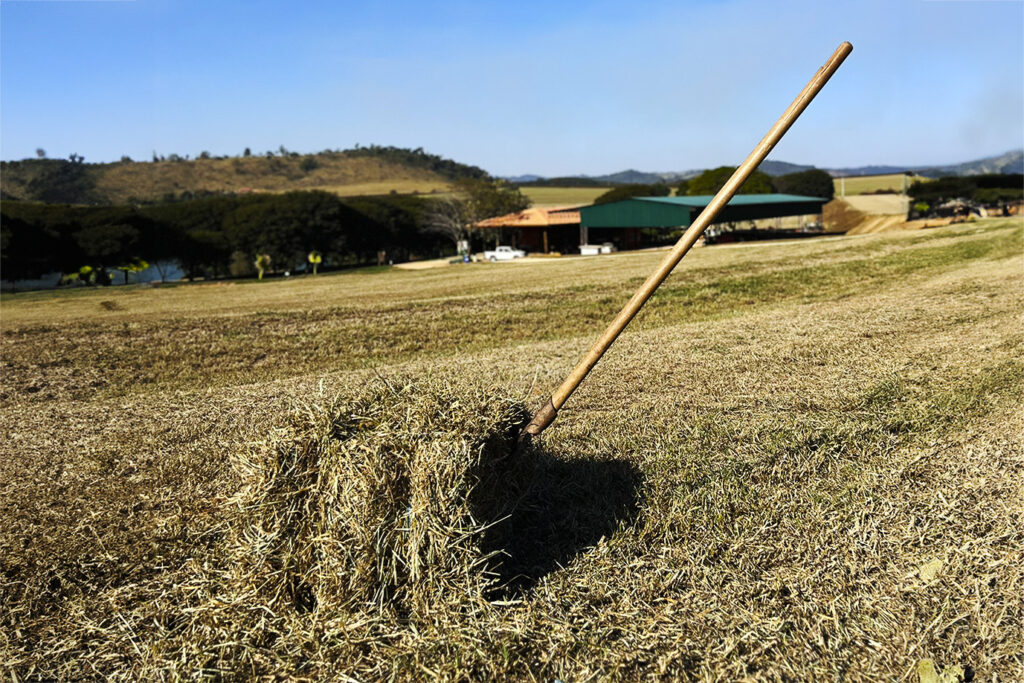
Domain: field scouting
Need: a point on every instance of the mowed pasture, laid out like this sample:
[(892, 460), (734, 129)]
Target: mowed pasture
[(803, 460), (563, 196), (893, 182)]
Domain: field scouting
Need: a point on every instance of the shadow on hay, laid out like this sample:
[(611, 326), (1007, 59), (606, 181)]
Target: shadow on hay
[(544, 511)]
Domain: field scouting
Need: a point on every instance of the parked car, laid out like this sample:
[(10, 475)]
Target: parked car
[(504, 254)]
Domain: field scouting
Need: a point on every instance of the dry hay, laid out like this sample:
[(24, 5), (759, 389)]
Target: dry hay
[(375, 502), (366, 527), (362, 516), (830, 490), (362, 525)]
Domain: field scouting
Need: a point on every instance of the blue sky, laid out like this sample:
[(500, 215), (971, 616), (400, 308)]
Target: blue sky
[(514, 87)]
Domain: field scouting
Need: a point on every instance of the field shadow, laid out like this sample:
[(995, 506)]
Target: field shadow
[(544, 511)]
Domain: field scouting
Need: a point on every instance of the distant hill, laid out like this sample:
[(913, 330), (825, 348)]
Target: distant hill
[(635, 177), (364, 170), (629, 177), (360, 171), (1010, 162), (774, 168), (867, 170)]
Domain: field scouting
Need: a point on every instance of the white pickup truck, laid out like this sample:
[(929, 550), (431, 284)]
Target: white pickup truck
[(504, 254)]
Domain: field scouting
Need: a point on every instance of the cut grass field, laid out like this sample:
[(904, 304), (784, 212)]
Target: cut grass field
[(563, 196), (894, 182), (802, 461)]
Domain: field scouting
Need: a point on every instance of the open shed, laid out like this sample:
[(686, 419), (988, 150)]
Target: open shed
[(622, 222), (537, 229)]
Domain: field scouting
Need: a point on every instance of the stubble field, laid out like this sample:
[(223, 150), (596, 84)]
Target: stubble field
[(893, 182), (563, 196), (802, 461)]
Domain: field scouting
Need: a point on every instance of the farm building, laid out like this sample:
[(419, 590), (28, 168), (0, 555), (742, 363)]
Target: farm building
[(637, 222), (640, 221), (537, 230)]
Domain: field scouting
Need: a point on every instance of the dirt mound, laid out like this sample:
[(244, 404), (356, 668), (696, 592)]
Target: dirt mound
[(839, 216), (877, 224), (846, 216)]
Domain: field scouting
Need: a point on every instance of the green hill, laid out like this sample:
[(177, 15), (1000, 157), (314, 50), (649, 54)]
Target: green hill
[(360, 171)]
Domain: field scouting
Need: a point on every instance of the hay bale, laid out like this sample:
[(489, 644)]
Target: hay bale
[(377, 504)]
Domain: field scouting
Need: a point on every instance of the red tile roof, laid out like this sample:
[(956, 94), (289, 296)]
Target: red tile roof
[(535, 217)]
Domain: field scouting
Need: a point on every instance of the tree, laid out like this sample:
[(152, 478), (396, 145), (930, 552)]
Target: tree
[(240, 266), (133, 265), (710, 182), (63, 182), (40, 152), (286, 226), (449, 217), (262, 263), (204, 251), (617, 194), (247, 152), (28, 249), (108, 245), (315, 258), (810, 183), (482, 198), (487, 197), (396, 225)]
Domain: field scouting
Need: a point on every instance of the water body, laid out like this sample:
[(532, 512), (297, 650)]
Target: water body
[(172, 272)]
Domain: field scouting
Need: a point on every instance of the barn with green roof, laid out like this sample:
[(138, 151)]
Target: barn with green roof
[(626, 222)]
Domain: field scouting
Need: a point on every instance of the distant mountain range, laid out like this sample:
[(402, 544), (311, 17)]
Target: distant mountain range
[(1010, 162)]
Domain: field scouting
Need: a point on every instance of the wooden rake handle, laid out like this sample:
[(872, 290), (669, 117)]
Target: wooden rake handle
[(546, 415)]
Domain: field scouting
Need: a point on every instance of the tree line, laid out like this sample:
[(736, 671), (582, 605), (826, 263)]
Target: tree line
[(810, 183), (992, 188), (212, 237)]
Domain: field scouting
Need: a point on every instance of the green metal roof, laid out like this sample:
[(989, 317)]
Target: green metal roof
[(702, 200), (673, 212)]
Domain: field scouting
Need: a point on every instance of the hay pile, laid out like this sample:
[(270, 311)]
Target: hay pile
[(371, 535), (362, 517)]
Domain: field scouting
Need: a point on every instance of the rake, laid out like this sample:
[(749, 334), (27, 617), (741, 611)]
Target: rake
[(547, 414)]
